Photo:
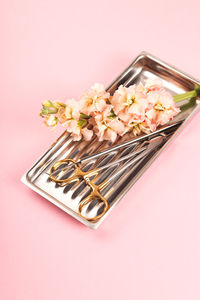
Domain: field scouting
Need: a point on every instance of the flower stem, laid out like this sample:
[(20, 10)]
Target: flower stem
[(187, 95)]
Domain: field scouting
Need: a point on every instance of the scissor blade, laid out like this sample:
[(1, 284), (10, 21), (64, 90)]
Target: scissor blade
[(134, 141)]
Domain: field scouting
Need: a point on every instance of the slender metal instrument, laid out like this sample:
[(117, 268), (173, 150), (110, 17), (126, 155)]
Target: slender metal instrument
[(142, 138), (79, 174)]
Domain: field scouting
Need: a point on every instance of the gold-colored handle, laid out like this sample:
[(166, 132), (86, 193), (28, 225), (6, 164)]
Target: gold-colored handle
[(94, 195), (79, 174), (60, 163)]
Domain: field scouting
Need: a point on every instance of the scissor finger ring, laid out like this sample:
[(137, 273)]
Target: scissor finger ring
[(62, 163), (94, 195)]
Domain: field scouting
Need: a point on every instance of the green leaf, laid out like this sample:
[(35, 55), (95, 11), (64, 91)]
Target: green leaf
[(48, 111), (197, 89), (58, 104), (112, 114), (82, 122), (185, 96), (84, 116), (48, 103)]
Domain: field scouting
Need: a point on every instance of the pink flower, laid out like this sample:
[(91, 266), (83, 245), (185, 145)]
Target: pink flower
[(95, 100), (50, 121), (119, 99), (61, 115), (150, 123), (117, 126), (107, 126), (153, 84), (77, 131), (87, 134), (69, 112), (69, 116), (163, 108), (110, 135), (73, 128), (129, 104), (137, 108)]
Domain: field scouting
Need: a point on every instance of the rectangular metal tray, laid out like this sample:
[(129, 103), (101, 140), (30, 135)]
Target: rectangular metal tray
[(68, 197)]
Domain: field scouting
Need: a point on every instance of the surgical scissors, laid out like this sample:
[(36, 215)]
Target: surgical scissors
[(79, 174), (141, 138)]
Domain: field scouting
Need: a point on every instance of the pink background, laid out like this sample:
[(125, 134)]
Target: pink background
[(149, 247)]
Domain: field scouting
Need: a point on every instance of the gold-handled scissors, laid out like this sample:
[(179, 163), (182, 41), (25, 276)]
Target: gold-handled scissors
[(79, 174), (56, 174)]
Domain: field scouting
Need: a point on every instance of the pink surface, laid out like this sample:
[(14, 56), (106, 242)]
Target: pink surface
[(148, 248)]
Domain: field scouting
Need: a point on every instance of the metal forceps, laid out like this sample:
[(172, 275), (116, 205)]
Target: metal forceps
[(95, 193)]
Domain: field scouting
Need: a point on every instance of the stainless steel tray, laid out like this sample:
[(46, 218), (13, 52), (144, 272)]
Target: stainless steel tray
[(68, 197)]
